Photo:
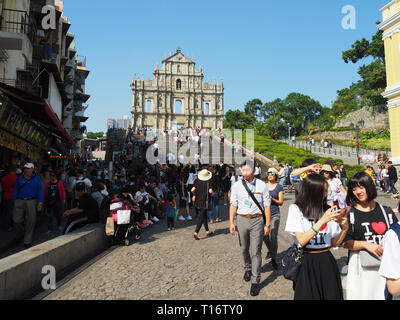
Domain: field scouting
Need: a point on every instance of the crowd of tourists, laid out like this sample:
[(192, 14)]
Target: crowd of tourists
[(325, 216), (330, 210)]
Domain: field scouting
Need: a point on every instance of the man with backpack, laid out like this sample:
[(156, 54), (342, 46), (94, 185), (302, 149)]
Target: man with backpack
[(27, 198), (81, 181)]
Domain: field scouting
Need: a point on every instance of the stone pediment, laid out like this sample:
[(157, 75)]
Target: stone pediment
[(179, 57)]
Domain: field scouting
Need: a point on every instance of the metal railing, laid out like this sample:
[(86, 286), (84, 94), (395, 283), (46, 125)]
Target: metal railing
[(17, 21), (336, 150)]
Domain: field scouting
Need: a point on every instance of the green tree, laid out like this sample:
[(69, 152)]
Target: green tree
[(236, 119), (373, 75), (95, 135)]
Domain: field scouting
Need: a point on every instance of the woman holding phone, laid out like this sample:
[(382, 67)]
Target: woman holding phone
[(316, 228), (369, 222)]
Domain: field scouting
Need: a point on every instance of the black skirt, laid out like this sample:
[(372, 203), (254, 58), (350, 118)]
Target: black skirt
[(319, 278)]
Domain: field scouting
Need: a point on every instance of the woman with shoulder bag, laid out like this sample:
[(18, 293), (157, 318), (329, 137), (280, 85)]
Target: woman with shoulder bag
[(316, 228), (369, 221)]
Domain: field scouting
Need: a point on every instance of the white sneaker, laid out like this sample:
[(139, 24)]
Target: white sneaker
[(155, 219), (189, 218), (169, 229), (181, 218)]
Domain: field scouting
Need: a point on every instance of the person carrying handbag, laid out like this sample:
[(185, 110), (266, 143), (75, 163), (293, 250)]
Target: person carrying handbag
[(250, 201), (316, 228), (369, 223)]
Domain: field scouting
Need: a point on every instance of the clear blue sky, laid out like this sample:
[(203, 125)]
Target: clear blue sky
[(262, 49)]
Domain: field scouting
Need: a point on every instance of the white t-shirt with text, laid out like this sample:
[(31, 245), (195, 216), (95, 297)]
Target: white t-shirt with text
[(297, 223)]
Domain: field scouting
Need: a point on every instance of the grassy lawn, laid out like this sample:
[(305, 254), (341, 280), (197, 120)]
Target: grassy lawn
[(285, 153)]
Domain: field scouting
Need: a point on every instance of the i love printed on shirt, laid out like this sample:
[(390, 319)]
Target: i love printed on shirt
[(370, 226)]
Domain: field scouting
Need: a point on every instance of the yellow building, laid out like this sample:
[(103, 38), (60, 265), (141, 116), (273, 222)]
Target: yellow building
[(391, 35)]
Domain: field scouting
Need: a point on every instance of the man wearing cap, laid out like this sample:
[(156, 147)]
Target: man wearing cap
[(27, 198), (250, 222)]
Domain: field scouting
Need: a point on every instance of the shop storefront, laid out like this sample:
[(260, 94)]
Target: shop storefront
[(29, 130)]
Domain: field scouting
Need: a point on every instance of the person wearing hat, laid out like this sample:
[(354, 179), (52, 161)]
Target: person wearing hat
[(27, 198), (336, 192), (203, 191), (276, 192)]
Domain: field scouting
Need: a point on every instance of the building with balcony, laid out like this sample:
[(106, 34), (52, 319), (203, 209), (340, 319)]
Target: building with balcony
[(42, 66), (391, 36)]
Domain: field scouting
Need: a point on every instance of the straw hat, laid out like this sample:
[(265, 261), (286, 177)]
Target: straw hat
[(327, 167), (205, 175)]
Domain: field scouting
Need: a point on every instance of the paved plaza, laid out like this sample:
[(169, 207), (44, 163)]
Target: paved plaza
[(171, 265)]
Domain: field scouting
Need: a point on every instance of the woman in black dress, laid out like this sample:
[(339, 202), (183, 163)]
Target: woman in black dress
[(317, 228), (202, 196)]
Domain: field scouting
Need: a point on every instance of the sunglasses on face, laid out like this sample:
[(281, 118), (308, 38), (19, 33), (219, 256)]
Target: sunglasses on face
[(271, 174)]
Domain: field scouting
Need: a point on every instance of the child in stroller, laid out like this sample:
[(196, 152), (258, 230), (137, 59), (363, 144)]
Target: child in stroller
[(128, 229)]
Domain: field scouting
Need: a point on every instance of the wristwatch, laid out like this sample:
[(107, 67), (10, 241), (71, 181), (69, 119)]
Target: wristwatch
[(269, 227)]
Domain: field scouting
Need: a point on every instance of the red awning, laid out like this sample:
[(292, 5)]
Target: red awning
[(39, 109)]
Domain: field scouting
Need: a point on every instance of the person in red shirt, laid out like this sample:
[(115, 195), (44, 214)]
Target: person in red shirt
[(8, 183)]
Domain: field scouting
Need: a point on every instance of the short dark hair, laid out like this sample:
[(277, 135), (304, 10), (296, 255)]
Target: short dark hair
[(309, 199), (248, 162), (308, 162), (364, 180)]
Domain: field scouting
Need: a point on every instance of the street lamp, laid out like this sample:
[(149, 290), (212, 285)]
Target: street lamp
[(357, 128), (289, 130)]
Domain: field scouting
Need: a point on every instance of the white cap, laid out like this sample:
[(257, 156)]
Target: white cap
[(29, 166)]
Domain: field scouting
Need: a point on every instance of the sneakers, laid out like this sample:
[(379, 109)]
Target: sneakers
[(155, 219), (169, 229), (189, 218), (181, 218)]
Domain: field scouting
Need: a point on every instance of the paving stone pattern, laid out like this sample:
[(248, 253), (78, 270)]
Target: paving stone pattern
[(171, 265)]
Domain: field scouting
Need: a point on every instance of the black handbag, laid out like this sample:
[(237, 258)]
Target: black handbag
[(291, 262)]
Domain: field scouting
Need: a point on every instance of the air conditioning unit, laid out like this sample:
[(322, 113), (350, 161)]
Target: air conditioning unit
[(40, 33)]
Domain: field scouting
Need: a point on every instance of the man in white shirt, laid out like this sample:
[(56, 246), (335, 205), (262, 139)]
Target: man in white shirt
[(250, 222)]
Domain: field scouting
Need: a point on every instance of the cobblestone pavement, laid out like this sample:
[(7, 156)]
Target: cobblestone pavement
[(171, 265)]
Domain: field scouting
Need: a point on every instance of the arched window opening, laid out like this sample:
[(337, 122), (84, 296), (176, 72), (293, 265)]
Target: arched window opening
[(178, 107)]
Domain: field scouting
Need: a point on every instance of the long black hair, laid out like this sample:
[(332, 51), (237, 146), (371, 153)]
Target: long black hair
[(310, 198)]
